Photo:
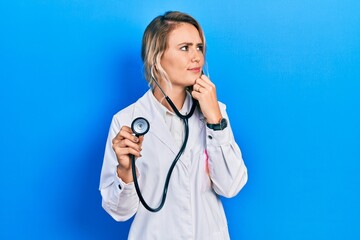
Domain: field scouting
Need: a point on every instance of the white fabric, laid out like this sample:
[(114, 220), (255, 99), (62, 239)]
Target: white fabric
[(173, 122), (211, 165)]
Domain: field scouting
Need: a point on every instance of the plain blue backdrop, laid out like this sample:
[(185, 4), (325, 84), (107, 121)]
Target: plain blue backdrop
[(289, 72)]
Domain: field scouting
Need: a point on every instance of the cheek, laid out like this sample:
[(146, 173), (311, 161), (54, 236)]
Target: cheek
[(176, 66), (170, 63)]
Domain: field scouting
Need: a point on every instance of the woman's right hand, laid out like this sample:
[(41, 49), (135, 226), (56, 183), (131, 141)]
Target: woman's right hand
[(124, 144)]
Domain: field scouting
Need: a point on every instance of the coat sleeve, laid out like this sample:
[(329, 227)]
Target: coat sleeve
[(228, 172), (118, 199)]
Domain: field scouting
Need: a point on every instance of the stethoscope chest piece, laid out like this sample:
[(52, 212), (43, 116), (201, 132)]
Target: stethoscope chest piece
[(140, 126)]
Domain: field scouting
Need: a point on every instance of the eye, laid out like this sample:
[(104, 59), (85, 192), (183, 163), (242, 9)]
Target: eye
[(184, 48), (200, 48)]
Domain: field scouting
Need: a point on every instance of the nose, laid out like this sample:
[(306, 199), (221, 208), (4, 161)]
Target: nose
[(196, 56)]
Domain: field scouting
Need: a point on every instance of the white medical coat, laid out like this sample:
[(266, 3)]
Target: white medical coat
[(210, 166)]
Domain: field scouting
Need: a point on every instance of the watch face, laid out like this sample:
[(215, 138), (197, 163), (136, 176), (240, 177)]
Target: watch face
[(223, 123)]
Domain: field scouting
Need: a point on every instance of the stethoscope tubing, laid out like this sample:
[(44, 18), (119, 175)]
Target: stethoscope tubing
[(185, 119), (168, 176)]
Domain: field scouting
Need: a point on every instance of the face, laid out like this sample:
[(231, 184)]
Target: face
[(183, 59)]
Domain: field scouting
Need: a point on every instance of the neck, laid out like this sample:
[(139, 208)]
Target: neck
[(177, 96)]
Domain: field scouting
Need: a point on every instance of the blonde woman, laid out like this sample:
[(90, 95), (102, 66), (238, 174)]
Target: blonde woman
[(188, 158)]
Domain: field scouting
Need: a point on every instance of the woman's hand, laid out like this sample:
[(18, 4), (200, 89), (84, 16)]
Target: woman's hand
[(205, 92), (124, 144)]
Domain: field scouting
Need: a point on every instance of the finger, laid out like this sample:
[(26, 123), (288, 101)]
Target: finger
[(205, 83), (199, 85), (126, 151), (125, 133), (141, 140), (206, 79), (131, 143), (196, 95), (202, 88), (119, 136), (196, 87), (128, 143)]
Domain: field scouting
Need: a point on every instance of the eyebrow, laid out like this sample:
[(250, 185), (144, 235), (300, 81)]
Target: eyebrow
[(189, 44)]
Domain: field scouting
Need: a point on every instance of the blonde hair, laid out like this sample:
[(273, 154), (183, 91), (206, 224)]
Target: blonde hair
[(154, 42)]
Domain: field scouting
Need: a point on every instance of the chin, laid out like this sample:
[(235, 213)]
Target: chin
[(192, 79), (191, 84)]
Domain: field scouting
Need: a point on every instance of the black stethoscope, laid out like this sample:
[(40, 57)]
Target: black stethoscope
[(141, 126)]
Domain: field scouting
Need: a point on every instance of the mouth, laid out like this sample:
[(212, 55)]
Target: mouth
[(195, 69)]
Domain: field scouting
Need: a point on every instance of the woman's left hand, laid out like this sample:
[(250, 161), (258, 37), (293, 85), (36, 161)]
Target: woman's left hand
[(205, 92)]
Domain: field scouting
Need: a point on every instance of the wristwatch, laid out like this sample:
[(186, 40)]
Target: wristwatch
[(218, 126)]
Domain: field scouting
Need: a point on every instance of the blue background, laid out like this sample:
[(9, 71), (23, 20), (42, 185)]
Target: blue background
[(289, 72)]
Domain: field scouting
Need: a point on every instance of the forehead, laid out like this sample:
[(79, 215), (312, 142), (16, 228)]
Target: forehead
[(184, 32)]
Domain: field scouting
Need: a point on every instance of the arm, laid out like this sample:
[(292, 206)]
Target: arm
[(228, 172), (119, 197)]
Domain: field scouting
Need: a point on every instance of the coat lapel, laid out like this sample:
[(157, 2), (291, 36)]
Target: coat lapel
[(145, 108)]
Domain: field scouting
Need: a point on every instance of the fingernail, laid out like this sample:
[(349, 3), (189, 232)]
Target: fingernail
[(136, 139)]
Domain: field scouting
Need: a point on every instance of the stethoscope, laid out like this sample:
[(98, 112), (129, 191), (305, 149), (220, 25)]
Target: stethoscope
[(140, 126)]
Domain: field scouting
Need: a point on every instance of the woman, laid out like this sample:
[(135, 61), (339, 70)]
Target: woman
[(210, 165)]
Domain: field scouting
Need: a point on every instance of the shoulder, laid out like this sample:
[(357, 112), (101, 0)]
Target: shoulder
[(125, 115)]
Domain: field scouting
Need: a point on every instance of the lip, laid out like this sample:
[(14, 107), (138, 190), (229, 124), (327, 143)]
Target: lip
[(195, 69)]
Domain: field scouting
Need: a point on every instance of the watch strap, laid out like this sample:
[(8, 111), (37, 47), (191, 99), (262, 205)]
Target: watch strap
[(218, 126)]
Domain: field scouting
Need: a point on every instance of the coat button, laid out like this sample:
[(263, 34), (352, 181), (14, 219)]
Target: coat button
[(209, 136)]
